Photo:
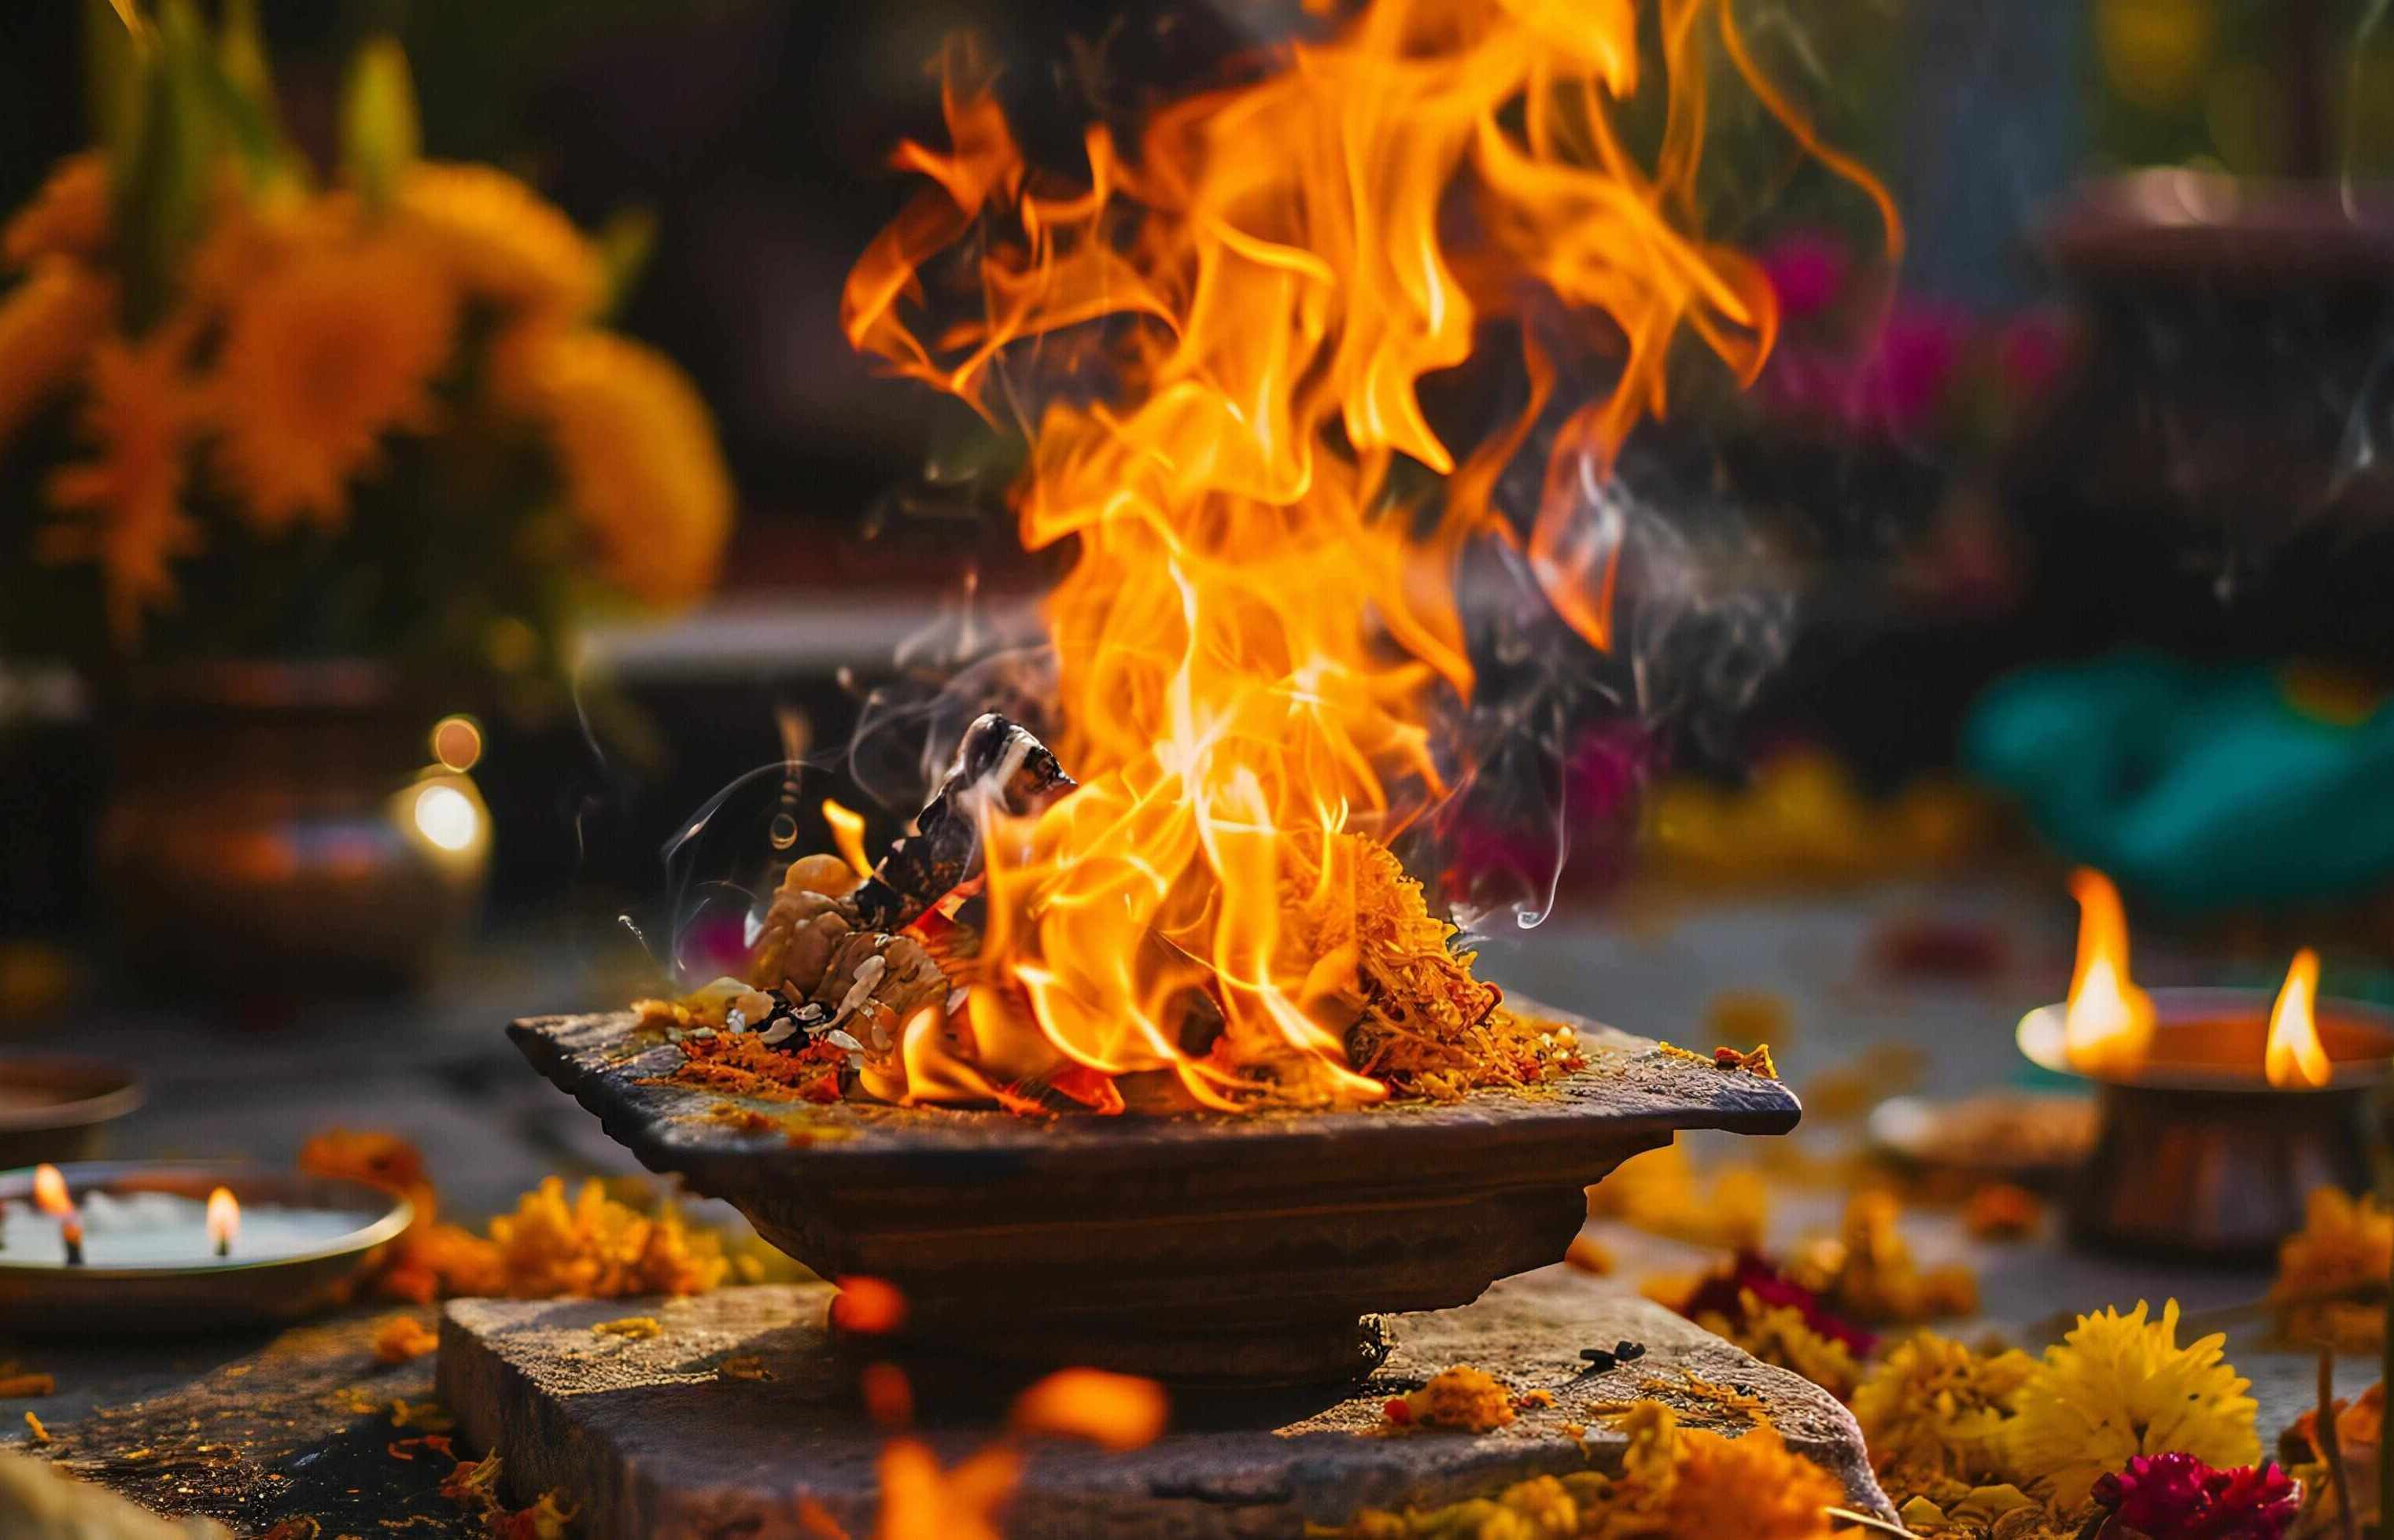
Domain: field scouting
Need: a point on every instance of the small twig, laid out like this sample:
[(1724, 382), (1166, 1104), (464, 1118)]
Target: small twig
[(2331, 1445), (1876, 1525)]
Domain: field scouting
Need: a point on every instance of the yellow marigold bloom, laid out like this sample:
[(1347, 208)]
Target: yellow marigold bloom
[(1753, 1486), (595, 1247), (500, 241), (2120, 1386), (323, 354), (637, 454), (1661, 1193), (48, 325), (1778, 1335), (1932, 1407), (68, 218), (142, 415), (2331, 1282)]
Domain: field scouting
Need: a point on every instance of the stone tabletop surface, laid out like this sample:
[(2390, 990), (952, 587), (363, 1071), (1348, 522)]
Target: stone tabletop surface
[(440, 1071)]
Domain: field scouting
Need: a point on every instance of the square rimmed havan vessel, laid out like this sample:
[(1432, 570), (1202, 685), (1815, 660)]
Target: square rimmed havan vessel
[(1237, 1249)]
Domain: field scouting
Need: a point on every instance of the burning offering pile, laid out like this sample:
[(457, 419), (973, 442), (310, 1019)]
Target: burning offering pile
[(1260, 666), (864, 980)]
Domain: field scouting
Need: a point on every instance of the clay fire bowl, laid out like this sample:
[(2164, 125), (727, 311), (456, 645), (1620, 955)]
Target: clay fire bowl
[(1202, 1248)]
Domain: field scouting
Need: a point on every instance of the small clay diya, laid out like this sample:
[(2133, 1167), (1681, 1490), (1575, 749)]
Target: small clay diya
[(1242, 1249), (2197, 1156), (116, 1247)]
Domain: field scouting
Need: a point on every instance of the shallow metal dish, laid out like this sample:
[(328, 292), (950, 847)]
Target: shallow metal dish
[(42, 1296)]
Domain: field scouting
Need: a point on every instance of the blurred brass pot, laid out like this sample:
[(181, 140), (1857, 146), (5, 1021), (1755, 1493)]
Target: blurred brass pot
[(279, 829)]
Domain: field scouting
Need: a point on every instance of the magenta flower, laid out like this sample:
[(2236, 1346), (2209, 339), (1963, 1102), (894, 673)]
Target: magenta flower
[(1807, 269), (1724, 1294), (2177, 1496)]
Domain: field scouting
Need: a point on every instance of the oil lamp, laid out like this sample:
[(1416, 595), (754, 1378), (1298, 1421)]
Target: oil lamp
[(2218, 1109), (166, 1246)]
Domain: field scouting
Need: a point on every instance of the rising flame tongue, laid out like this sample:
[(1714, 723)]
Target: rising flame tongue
[(2295, 1056), (2109, 1025), (1255, 621)]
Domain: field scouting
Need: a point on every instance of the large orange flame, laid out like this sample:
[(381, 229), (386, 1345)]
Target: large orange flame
[(1257, 615), (2108, 1027), (2295, 1056)]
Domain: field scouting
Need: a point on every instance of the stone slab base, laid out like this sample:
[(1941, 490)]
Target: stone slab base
[(657, 1446)]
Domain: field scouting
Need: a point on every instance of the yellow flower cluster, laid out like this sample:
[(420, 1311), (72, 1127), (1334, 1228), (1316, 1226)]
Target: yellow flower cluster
[(1997, 1443), (1933, 1410), (2331, 1285), (1778, 1334), (2119, 1386), (329, 327), (1660, 1192), (1674, 1481), (596, 1248)]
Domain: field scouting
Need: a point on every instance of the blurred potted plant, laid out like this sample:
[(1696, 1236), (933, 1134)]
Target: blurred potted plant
[(297, 459)]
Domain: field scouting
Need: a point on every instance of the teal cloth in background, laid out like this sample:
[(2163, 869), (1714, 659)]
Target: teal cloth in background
[(2200, 787)]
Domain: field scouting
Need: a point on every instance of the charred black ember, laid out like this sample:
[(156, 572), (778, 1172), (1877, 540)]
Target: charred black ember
[(997, 766)]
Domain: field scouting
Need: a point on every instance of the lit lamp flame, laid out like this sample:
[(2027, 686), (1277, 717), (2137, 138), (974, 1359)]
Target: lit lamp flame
[(224, 1220), (50, 1196), (2295, 1056), (2109, 1023), (50, 1192), (847, 832)]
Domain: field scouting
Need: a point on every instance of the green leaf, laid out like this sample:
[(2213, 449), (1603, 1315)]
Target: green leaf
[(240, 88), (379, 138), (624, 245), (162, 182), (116, 48)]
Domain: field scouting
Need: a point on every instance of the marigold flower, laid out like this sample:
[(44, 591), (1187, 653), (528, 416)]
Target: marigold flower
[(1463, 1399), (2331, 1282), (2119, 1386), (1780, 1335), (641, 468), (69, 216), (1933, 1407), (142, 415), (1753, 1486), (592, 1245), (500, 241), (323, 354), (49, 323), (403, 1338)]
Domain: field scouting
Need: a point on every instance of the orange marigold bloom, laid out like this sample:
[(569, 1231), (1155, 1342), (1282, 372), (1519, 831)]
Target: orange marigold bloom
[(68, 218), (48, 326), (142, 416), (323, 354), (404, 1338), (500, 241), (1753, 1486), (637, 454)]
